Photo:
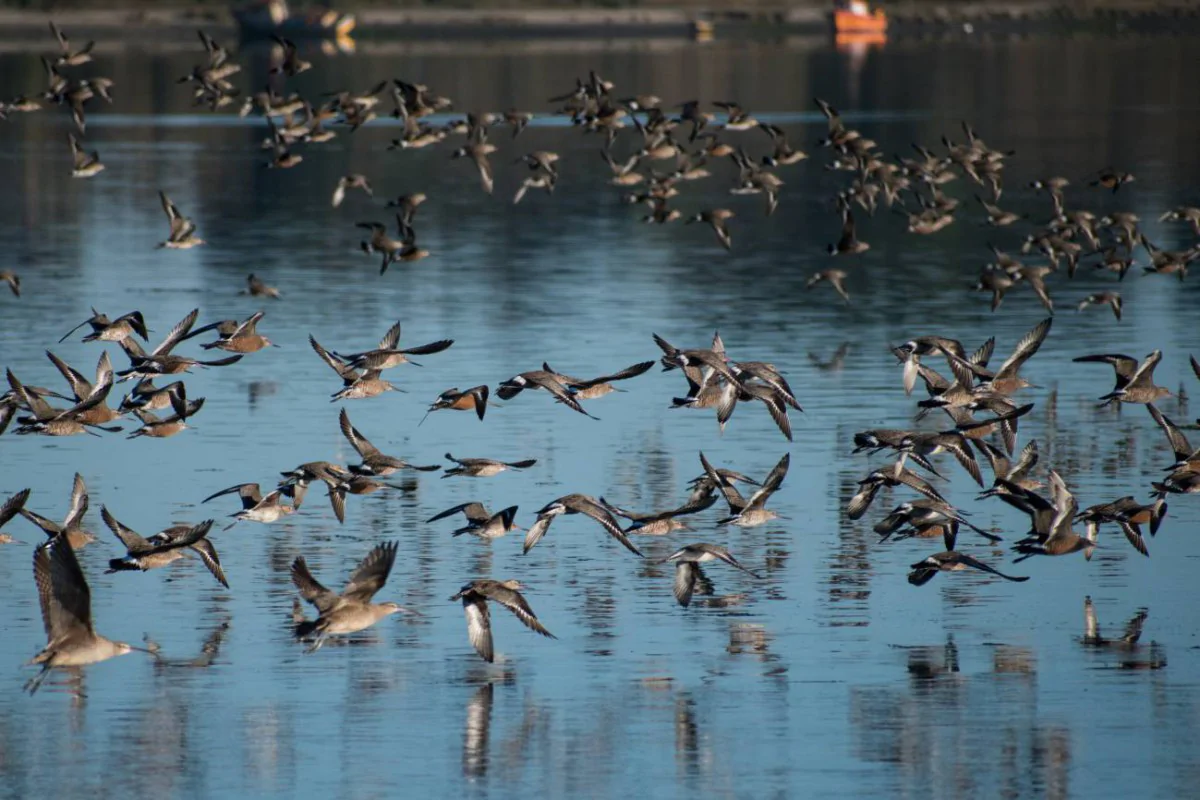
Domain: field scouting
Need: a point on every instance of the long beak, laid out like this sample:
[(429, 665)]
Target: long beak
[(427, 413)]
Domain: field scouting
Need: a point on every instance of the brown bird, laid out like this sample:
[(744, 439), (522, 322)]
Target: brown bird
[(473, 399), (163, 547), (1111, 299), (475, 596), (576, 504), (352, 610), (835, 277), (717, 219), (66, 603)]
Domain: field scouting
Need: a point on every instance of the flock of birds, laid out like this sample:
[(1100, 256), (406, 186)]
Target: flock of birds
[(979, 399)]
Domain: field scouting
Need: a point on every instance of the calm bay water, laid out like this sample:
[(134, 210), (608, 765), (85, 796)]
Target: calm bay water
[(832, 675)]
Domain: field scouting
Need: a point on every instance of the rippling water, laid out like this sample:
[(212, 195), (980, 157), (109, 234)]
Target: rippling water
[(831, 674)]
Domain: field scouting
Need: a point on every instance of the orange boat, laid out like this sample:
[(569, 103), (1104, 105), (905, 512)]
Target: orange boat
[(856, 17)]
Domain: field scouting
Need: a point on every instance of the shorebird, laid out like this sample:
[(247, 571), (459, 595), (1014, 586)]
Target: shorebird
[(352, 181), (374, 462), (106, 330), (183, 230), (355, 386), (72, 525), (1015, 472), (255, 287), (257, 507), (84, 164), (1110, 299), (1187, 458), (927, 518), (163, 428), (783, 153), (408, 205), (576, 504), (404, 249), (951, 561), (160, 361), (483, 467), (890, 477), (164, 547), (291, 64), (997, 217), (588, 389), (835, 277), (1189, 214), (66, 603), (473, 399), (245, 338), (49, 421), (478, 151), (352, 610), (753, 512), (1058, 538), (538, 182), (475, 596), (12, 506), (718, 220), (1112, 179), (67, 58), (848, 243), (540, 379), (481, 522), (1129, 515), (12, 279), (1134, 381), (662, 523), (389, 354), (1091, 629), (687, 567)]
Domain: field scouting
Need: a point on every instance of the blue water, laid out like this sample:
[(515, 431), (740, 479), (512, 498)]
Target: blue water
[(833, 674)]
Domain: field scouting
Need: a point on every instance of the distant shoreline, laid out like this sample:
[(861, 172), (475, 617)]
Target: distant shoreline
[(487, 22)]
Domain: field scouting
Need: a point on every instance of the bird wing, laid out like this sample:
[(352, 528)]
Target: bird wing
[(12, 505), (79, 384), (996, 458), (347, 374), (975, 563), (1179, 443), (1025, 348), (62, 589), (176, 334), (249, 494), (685, 581), (208, 554), (372, 573), (536, 531), (391, 339), (426, 349), (356, 439), (310, 588), (591, 508), (727, 557), (1145, 372), (79, 502), (515, 602), (479, 625), (772, 482), (732, 496), (629, 372), (475, 512), (134, 543), (1123, 365)]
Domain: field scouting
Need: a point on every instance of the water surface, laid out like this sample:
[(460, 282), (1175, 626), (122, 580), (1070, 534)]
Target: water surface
[(832, 675)]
